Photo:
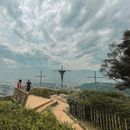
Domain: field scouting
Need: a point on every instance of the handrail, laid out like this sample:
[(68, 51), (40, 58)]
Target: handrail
[(20, 96), (21, 90)]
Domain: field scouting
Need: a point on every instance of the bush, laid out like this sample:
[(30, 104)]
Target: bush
[(110, 102), (14, 117), (47, 92)]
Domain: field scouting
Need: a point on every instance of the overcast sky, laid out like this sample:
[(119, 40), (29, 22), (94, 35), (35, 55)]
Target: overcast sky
[(75, 33)]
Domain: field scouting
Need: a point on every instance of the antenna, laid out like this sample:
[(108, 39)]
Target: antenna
[(62, 72), (41, 76)]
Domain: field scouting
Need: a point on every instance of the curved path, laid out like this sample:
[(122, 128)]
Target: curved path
[(58, 111), (39, 104)]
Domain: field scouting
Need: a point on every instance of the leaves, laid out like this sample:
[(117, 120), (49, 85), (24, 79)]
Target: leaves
[(117, 65)]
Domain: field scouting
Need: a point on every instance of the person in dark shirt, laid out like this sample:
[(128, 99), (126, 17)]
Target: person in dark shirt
[(28, 86)]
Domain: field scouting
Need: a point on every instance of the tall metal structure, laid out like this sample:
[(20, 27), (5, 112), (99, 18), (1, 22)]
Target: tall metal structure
[(62, 72), (41, 76), (95, 77)]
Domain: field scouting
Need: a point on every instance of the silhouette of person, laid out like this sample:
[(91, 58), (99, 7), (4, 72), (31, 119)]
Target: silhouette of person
[(28, 86), (19, 84)]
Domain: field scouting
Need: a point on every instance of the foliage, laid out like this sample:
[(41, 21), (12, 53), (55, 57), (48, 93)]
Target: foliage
[(117, 65), (14, 117), (110, 102), (47, 92)]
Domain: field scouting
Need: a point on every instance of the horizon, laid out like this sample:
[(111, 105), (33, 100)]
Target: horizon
[(76, 77)]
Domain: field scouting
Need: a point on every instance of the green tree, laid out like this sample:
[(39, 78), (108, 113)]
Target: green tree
[(117, 65)]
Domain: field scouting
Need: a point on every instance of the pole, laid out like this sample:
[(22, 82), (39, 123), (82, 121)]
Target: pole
[(95, 77), (41, 76)]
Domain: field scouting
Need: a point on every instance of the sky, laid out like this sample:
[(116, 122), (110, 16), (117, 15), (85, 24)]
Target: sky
[(51, 33)]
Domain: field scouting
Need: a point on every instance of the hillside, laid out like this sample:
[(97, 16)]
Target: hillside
[(103, 87), (101, 108), (14, 117), (98, 86)]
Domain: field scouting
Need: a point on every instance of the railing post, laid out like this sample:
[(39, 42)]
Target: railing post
[(119, 122), (100, 119), (125, 121), (91, 114)]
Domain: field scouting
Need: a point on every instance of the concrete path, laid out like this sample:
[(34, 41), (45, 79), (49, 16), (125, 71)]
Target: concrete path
[(40, 103), (45, 106), (34, 102), (58, 111)]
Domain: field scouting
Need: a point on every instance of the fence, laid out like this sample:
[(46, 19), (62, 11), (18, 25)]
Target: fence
[(20, 96), (99, 118), (107, 121)]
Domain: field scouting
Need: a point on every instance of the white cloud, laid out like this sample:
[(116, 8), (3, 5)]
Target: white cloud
[(105, 32), (7, 61)]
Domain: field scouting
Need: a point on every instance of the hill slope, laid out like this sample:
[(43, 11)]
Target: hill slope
[(98, 86), (14, 117)]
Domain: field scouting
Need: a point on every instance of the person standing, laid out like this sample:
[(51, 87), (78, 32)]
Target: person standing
[(19, 87), (19, 84), (28, 86)]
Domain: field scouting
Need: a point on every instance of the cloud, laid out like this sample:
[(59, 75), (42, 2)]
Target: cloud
[(71, 32), (8, 61), (11, 6)]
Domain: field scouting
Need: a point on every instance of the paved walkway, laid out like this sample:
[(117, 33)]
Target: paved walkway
[(34, 101), (39, 104), (58, 111)]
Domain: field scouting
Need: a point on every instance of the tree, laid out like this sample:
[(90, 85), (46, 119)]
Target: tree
[(117, 65)]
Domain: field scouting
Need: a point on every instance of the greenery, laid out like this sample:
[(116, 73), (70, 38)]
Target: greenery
[(15, 117), (111, 102), (44, 92), (117, 65), (102, 87)]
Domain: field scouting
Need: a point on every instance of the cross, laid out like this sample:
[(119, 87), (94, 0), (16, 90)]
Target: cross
[(62, 72), (41, 76), (95, 77)]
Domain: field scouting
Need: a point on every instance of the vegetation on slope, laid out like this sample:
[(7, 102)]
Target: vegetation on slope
[(116, 103), (14, 117), (43, 92)]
